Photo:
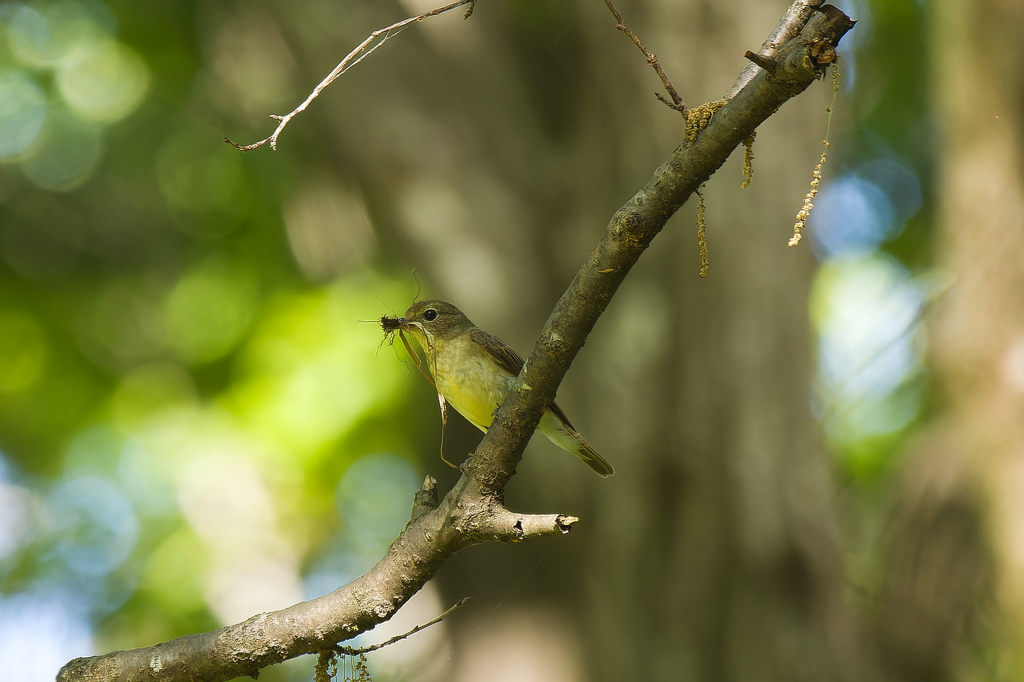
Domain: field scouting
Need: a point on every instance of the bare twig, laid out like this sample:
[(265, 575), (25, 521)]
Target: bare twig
[(357, 55), (352, 651), (766, 63), (327, 656), (791, 23), (677, 101), (628, 235)]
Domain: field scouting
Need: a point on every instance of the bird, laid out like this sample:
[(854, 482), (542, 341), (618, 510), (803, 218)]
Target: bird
[(474, 372)]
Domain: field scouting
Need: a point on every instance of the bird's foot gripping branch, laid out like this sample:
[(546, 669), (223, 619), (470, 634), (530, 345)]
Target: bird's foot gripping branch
[(472, 512)]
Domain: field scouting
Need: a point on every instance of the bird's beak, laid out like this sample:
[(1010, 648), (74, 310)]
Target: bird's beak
[(408, 324)]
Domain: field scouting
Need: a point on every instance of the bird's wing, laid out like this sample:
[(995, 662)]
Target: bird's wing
[(561, 415), (502, 354), (508, 359)]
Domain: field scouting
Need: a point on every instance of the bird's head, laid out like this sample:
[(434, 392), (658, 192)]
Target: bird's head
[(433, 318)]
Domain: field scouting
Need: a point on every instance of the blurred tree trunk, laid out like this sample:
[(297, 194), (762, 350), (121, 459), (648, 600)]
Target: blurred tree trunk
[(954, 594)]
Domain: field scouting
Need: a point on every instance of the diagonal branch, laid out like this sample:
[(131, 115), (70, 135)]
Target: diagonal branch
[(789, 27), (798, 64), (472, 512)]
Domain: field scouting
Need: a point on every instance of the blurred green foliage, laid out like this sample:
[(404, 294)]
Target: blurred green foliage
[(871, 390), (180, 393)]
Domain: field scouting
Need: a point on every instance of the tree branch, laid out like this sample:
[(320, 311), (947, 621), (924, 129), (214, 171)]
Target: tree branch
[(350, 651), (472, 512), (789, 27), (464, 518), (677, 101), (631, 230), (362, 51)]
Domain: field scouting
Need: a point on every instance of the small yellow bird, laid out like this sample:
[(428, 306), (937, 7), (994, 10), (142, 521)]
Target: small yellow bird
[(474, 371)]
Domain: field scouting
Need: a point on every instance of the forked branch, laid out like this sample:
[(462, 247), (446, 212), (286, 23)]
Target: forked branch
[(472, 512), (677, 101)]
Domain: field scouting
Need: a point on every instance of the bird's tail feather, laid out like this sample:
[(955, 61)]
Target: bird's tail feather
[(564, 436), (593, 460)]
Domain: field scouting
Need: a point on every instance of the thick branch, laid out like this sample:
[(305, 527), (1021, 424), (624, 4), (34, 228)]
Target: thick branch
[(630, 232), (464, 518), (789, 27), (472, 512), (356, 651)]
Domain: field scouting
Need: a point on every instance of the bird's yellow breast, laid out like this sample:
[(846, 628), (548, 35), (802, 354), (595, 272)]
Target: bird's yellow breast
[(469, 379)]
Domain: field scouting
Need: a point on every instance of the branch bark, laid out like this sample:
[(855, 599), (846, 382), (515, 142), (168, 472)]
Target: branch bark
[(473, 511), (789, 27), (464, 518)]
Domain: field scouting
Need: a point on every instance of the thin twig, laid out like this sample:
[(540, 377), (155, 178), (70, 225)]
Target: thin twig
[(354, 57), (351, 651), (677, 101), (766, 63)]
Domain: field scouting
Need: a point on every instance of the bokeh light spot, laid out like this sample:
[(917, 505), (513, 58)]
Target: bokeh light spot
[(95, 450), (375, 496), (147, 471), (866, 313), (103, 80), (66, 154), (39, 634), (899, 183), (124, 326), (174, 571), (864, 310), (328, 229), (93, 523), (46, 39), (197, 175), (310, 372), (150, 390), (22, 112), (227, 502), (31, 39), (22, 351), (209, 310), (851, 217), (16, 504)]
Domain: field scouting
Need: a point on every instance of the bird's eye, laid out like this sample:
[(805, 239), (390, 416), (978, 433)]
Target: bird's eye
[(430, 315)]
